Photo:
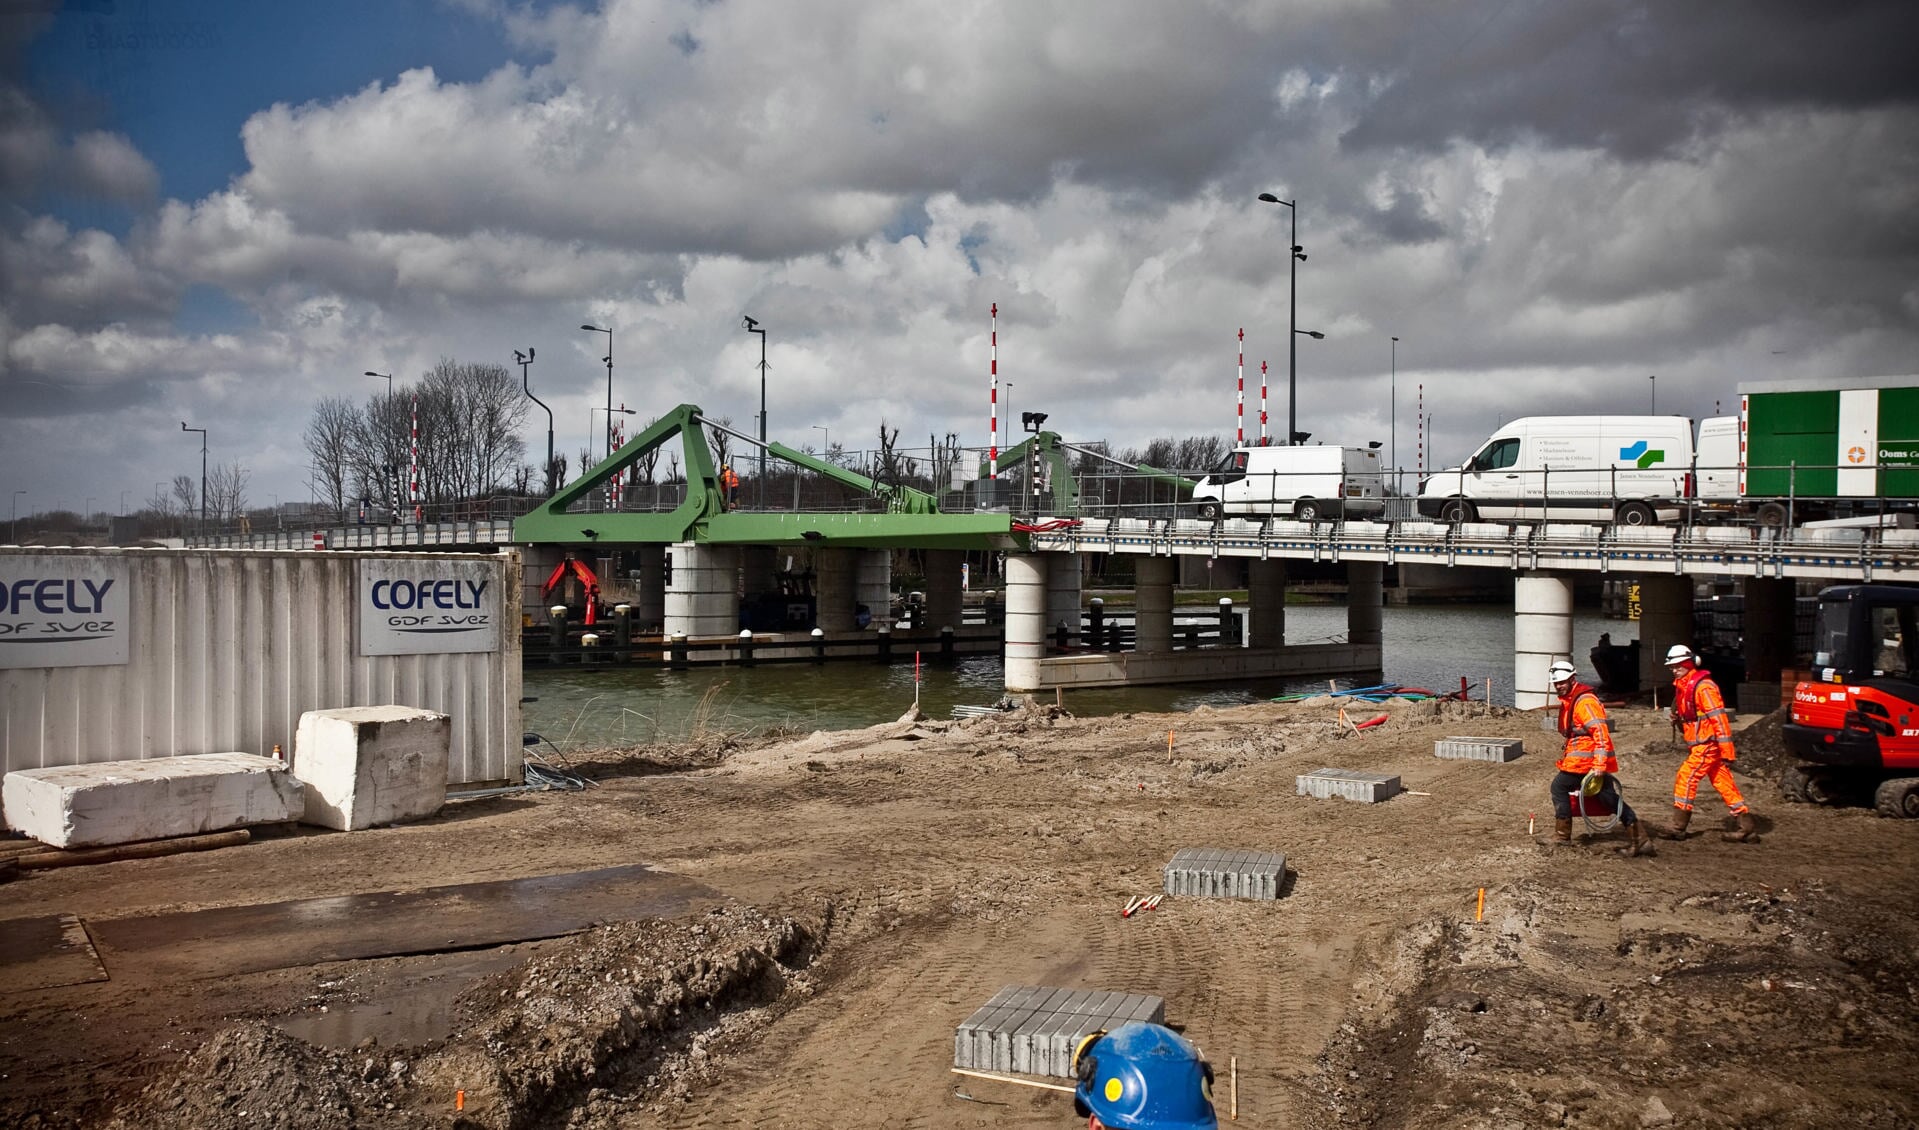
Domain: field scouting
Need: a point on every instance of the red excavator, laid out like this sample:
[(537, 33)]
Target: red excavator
[(589, 586), (1857, 719)]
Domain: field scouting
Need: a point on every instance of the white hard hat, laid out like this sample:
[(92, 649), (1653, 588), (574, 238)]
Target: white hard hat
[(1679, 653), (1561, 672)]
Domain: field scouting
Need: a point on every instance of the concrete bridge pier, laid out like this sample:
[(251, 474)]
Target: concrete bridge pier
[(1771, 619), (874, 585), (702, 592), (1153, 604), (1266, 593), (1542, 632), (1365, 600), (1062, 592), (649, 607), (835, 584), (1026, 588), (1665, 618), (945, 600)]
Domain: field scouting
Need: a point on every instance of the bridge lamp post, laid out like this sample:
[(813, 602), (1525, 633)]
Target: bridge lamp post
[(751, 325), (1392, 410), (13, 525), (1297, 437), (609, 386), (1294, 258), (611, 412), (526, 359), (1652, 380), (386, 487), (203, 472)]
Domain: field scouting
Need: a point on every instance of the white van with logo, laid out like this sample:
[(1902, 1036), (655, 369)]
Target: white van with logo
[(1302, 483), (1632, 470)]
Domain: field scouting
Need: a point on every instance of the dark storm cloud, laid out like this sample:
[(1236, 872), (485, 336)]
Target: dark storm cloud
[(1638, 80)]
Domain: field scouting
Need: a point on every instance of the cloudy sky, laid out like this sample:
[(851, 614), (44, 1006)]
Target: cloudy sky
[(220, 212)]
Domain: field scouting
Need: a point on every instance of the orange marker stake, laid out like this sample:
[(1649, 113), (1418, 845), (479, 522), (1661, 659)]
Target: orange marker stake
[(1480, 914), (1529, 823), (459, 1100), (1169, 747)]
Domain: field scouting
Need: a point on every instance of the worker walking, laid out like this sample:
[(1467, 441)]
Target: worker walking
[(1699, 709), (1143, 1077), (1588, 754), (729, 485)]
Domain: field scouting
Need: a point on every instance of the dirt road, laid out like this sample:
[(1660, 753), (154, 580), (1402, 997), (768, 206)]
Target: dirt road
[(848, 898)]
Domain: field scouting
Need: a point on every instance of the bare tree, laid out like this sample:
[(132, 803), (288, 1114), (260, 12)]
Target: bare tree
[(227, 492), (721, 442), (187, 493), (330, 437)]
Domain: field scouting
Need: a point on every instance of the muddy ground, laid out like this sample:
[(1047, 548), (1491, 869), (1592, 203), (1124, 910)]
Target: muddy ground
[(868, 889)]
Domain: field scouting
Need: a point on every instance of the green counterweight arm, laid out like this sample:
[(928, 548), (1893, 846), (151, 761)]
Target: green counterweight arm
[(899, 499)]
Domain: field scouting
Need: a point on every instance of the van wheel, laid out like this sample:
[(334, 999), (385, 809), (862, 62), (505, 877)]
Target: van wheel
[(1636, 514), (1457, 510), (1209, 510)]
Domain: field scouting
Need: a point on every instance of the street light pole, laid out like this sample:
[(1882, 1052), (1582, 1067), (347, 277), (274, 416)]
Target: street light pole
[(752, 326), (609, 386), (526, 359), (1653, 380), (13, 524), (388, 377), (1393, 410), (386, 484), (203, 472), (826, 438), (1294, 257)]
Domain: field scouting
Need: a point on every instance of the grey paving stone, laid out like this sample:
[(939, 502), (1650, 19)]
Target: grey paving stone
[(1350, 784), (1225, 873), (1034, 1030), (1479, 749)]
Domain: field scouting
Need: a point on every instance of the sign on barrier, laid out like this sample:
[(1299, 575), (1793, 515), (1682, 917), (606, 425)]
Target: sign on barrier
[(63, 611), (427, 607)]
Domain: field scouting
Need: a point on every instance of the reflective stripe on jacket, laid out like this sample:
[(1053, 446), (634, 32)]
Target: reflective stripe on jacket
[(1701, 711), (1582, 721)]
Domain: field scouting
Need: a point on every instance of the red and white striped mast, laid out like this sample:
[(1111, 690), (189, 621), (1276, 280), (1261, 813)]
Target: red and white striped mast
[(1262, 404), (992, 457), (1419, 448), (413, 476), (1239, 437)]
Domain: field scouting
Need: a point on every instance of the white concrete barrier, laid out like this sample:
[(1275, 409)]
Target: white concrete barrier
[(122, 802), (364, 766)]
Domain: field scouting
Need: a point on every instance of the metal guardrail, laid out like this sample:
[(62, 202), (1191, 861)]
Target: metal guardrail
[(1862, 554)]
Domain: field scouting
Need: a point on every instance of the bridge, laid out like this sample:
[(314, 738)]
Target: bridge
[(687, 558)]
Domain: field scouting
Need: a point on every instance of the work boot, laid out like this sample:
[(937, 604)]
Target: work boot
[(1675, 830), (1563, 831), (1745, 833), (1637, 841)]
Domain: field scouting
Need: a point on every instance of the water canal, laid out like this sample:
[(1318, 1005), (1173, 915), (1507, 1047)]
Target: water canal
[(1425, 645)]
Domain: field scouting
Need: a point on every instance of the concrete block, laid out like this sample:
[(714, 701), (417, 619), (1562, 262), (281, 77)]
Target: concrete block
[(1225, 873), (1366, 788), (1479, 749), (1034, 1030), (119, 802), (364, 766)]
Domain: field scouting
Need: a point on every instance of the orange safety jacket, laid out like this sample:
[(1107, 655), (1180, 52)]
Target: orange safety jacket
[(1582, 721), (1700, 709)]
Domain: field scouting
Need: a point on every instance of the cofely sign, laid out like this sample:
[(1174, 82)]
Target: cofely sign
[(63, 611), (428, 607)]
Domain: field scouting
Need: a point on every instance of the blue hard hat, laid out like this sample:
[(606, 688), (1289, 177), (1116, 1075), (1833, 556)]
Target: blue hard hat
[(1145, 1077)]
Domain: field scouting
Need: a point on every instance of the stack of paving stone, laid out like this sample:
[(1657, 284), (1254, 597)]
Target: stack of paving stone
[(1366, 788), (1225, 873), (1479, 749), (1034, 1030)]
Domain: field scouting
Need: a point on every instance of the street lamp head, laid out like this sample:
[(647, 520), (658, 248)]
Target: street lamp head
[(595, 329), (1269, 198), (1314, 334)]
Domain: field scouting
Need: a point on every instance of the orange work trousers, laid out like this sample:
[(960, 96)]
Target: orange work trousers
[(1705, 764)]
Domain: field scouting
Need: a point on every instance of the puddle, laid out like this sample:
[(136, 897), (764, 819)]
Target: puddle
[(415, 1011)]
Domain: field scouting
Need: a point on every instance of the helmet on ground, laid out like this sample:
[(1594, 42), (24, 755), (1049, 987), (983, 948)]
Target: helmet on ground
[(1561, 672), (1680, 653), (1143, 1077)]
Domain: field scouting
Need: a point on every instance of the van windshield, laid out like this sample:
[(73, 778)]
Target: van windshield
[(1234, 462)]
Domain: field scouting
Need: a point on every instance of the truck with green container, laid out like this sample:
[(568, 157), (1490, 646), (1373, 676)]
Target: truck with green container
[(1813, 450)]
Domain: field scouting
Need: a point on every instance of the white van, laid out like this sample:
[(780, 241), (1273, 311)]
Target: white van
[(1717, 471), (1303, 483), (1627, 469)]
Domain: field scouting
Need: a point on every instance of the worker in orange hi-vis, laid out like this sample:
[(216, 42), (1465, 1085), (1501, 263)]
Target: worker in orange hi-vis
[(1588, 764), (729, 484), (1700, 709)]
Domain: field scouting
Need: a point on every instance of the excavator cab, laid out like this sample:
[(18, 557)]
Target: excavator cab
[(1857, 718)]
